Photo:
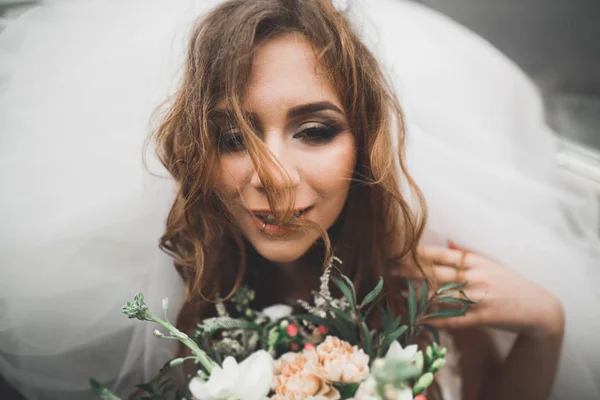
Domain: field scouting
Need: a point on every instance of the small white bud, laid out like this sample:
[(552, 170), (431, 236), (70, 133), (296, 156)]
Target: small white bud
[(158, 333), (165, 304), (419, 360), (175, 362)]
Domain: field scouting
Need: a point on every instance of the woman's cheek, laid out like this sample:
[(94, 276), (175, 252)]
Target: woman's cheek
[(333, 168), (234, 172)]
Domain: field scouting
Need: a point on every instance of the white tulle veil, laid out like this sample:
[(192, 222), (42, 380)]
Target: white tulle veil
[(81, 216)]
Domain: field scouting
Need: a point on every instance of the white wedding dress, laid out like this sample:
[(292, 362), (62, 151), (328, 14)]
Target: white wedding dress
[(81, 217)]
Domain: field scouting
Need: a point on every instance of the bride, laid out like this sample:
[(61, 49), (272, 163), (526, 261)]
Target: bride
[(292, 118)]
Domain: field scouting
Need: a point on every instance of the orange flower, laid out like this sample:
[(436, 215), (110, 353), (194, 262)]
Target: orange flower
[(339, 361), (297, 378)]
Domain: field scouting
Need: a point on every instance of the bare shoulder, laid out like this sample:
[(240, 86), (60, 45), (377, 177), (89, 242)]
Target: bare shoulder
[(479, 356)]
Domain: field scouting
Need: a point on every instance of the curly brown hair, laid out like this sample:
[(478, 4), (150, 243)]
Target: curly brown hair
[(385, 213)]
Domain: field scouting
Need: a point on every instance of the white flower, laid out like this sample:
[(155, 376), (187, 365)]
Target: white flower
[(396, 352), (277, 312), (248, 380), (367, 390), (404, 393)]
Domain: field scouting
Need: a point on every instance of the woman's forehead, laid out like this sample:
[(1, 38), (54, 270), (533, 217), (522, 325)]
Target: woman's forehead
[(286, 73)]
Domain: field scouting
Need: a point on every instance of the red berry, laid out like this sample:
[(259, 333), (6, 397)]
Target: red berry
[(294, 346), (323, 329), (309, 346), (420, 397), (291, 330)]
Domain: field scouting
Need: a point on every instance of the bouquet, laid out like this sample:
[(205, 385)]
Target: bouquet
[(327, 353)]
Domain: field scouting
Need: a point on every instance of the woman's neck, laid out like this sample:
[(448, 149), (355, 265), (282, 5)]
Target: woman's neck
[(299, 277)]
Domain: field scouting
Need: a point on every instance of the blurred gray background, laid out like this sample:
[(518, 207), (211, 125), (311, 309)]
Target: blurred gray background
[(557, 42)]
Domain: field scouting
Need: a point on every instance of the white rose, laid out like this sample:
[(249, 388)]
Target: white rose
[(248, 380)]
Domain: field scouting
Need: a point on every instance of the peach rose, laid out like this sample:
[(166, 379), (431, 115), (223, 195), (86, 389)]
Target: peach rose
[(339, 361), (297, 378)]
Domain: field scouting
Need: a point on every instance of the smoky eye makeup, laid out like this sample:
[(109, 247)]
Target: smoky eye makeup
[(230, 141), (318, 132)]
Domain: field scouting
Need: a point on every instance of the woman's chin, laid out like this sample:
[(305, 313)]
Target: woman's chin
[(283, 251)]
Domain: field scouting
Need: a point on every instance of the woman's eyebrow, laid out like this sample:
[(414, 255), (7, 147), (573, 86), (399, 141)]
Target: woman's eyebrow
[(226, 115), (309, 108)]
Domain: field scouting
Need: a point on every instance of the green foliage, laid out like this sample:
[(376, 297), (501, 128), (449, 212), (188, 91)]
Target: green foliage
[(239, 330), (102, 390), (347, 390), (372, 295), (348, 320), (136, 308)]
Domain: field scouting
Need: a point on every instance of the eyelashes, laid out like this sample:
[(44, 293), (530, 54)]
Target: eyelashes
[(312, 133), (231, 142), (316, 133)]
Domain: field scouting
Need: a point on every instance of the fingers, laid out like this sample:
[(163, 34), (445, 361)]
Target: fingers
[(454, 246), (453, 322), (442, 274), (444, 256)]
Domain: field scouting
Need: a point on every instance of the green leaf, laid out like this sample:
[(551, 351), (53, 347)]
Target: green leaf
[(453, 300), (340, 314), (372, 294), (424, 296), (389, 339), (434, 332), (102, 390), (345, 332), (367, 340), (451, 286), (462, 292), (393, 325), (447, 295), (448, 313), (386, 316), (412, 304), (346, 291), (351, 286), (347, 390), (365, 314)]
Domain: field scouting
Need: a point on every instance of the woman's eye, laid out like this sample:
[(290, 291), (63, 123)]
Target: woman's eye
[(231, 142), (317, 133)]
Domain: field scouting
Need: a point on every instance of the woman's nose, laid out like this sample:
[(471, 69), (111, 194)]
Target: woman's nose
[(283, 154)]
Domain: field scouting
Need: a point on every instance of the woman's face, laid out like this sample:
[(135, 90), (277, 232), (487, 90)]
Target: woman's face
[(301, 121)]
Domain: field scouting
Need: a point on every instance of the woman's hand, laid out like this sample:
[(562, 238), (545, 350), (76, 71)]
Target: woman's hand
[(509, 301)]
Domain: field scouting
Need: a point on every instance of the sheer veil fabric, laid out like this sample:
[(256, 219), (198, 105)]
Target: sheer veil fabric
[(81, 216)]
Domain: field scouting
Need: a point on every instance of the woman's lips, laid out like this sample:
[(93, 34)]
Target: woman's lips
[(273, 229)]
